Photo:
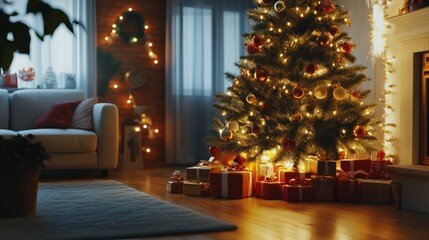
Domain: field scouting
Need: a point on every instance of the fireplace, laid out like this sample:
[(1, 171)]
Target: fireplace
[(421, 74)]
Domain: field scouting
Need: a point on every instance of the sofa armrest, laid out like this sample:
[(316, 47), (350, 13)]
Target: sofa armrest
[(106, 126)]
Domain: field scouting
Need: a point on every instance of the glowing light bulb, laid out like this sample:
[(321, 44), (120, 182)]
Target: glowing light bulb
[(113, 25), (121, 18), (148, 150), (156, 130), (115, 86), (146, 27), (150, 44), (130, 9), (155, 61), (137, 129)]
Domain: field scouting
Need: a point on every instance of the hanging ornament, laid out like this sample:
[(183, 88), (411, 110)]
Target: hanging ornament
[(261, 74), (333, 30), (321, 92), (213, 150), (233, 125), (279, 6), (252, 49), (356, 95), (346, 48), (340, 93), (297, 117), (266, 106), (257, 40), (339, 60), (323, 39), (288, 144), (251, 99), (326, 6), (238, 159), (226, 134), (256, 129), (311, 68), (380, 155), (298, 92), (359, 131)]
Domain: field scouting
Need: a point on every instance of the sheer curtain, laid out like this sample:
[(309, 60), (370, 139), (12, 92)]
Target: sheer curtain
[(64, 52), (203, 42)]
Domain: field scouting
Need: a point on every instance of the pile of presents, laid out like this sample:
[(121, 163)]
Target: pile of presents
[(345, 180)]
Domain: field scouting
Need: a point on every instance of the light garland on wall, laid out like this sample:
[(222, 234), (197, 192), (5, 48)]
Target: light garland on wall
[(114, 34), (379, 26)]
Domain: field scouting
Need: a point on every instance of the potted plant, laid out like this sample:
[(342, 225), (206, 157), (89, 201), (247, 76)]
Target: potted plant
[(21, 158)]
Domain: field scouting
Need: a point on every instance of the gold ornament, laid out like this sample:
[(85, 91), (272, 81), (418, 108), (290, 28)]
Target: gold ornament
[(298, 92), (233, 125), (321, 92), (251, 99), (261, 74), (297, 117), (359, 131), (323, 39), (226, 134), (279, 6), (340, 93)]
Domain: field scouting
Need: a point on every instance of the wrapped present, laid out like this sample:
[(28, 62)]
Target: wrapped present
[(378, 169), (285, 175), (376, 190), (297, 191), (175, 185), (359, 167), (196, 189), (201, 172), (232, 184), (268, 188), (321, 167), (263, 169), (323, 187), (348, 189)]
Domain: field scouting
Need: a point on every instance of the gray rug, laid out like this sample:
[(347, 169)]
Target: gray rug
[(105, 209)]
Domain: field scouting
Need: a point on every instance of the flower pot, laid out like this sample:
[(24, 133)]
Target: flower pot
[(18, 190)]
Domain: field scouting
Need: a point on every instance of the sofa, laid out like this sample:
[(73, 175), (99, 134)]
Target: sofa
[(69, 148)]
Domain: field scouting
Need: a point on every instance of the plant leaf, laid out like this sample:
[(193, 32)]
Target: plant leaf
[(52, 18), (6, 52), (21, 36)]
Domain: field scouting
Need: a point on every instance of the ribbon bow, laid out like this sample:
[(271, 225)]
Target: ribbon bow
[(350, 175), (270, 177), (177, 177), (207, 163), (300, 182)]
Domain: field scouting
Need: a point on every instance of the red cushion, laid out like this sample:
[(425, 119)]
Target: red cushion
[(58, 116)]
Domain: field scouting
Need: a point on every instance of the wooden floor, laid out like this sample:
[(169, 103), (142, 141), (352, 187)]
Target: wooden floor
[(276, 219)]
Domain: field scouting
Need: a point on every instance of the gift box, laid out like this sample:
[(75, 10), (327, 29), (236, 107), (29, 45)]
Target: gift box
[(196, 189), (378, 169), (359, 167), (376, 190), (264, 168), (323, 187), (232, 184), (175, 187), (198, 173), (285, 175), (268, 190), (321, 167), (297, 193), (348, 189)]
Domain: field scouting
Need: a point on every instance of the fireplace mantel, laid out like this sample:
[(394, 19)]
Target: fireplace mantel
[(411, 25)]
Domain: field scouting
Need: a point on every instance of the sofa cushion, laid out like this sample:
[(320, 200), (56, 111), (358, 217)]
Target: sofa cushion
[(6, 133), (64, 140), (58, 116), (82, 116)]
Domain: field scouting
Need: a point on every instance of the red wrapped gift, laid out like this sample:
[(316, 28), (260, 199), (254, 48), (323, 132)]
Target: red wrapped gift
[(321, 167), (285, 175), (323, 187), (376, 190), (10, 80), (297, 193), (348, 189), (359, 167), (263, 169), (175, 185), (379, 169), (268, 190), (196, 189), (232, 184)]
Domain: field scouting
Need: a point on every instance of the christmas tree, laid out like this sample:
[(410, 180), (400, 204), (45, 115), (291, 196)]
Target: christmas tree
[(298, 92)]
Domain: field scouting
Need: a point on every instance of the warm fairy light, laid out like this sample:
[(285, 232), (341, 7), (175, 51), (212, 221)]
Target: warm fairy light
[(115, 86), (150, 53), (302, 15), (271, 29), (146, 27), (156, 130), (148, 150), (343, 131), (224, 113), (289, 24), (113, 25), (335, 112), (121, 18), (129, 101), (106, 38), (145, 126), (319, 18), (137, 129), (150, 44), (113, 31), (134, 40), (130, 9), (378, 23), (155, 61), (261, 17), (280, 30)]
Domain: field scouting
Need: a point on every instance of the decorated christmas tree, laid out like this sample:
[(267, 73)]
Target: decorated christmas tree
[(298, 91)]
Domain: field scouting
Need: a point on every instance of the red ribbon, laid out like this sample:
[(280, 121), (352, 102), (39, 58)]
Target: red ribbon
[(350, 175), (176, 177), (300, 182)]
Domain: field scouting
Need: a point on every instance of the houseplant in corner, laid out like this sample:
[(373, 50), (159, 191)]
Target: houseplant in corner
[(21, 158)]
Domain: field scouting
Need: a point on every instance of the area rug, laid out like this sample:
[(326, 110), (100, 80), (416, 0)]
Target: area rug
[(105, 209)]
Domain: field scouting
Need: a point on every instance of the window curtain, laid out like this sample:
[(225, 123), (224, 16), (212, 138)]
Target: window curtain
[(204, 39), (65, 53)]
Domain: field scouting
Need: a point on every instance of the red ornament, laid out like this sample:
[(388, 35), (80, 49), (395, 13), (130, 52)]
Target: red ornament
[(347, 47), (239, 159), (288, 144), (326, 6), (356, 95), (333, 30), (359, 131), (213, 150), (252, 49), (311, 68), (261, 74), (380, 155), (257, 40), (323, 39), (256, 129)]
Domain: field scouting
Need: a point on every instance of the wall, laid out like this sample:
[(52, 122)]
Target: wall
[(135, 56)]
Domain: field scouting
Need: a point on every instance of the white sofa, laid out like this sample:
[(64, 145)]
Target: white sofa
[(69, 148)]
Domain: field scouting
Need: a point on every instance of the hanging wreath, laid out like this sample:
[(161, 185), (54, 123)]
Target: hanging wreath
[(130, 26)]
